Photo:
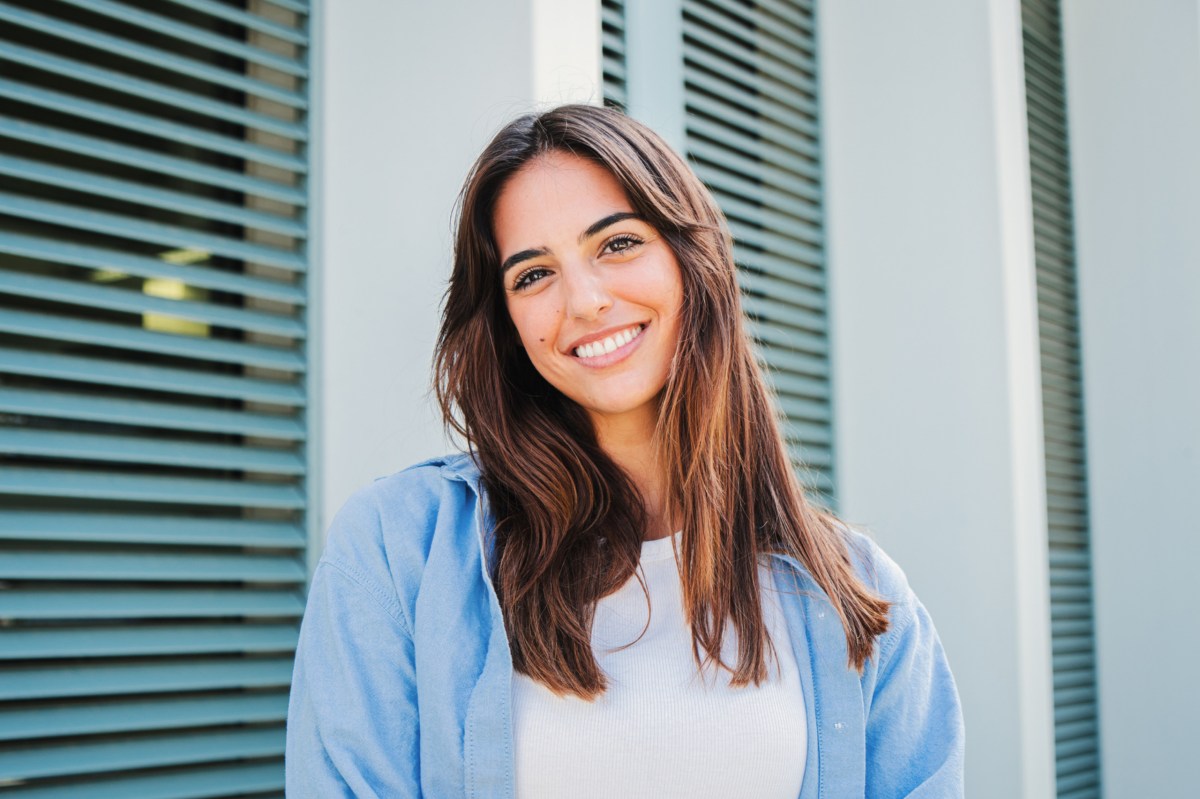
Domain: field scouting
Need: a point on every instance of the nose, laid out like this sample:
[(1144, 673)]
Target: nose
[(587, 296)]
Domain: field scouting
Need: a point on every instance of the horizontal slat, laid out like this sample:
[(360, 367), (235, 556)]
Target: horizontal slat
[(163, 59), (804, 410), (774, 16), (227, 779), (143, 194), (128, 529), (761, 202), (789, 52), (789, 339), (151, 232), (32, 605), (782, 314), (756, 284), (149, 414), (193, 35), (299, 6), (74, 445), (149, 90), (132, 716), (749, 70), (203, 782), (175, 639), (112, 260), (753, 112), (757, 174), (143, 677), (158, 378), (248, 20), (807, 275), (800, 363), (613, 15), (148, 488), (62, 328), (798, 386), (173, 565), (149, 160), (788, 229), (780, 246), (116, 754), (91, 295), (794, 154), (152, 125)]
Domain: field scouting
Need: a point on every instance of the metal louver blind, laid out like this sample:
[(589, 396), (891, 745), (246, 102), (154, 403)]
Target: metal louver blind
[(152, 393), (1075, 717), (612, 24), (753, 137)]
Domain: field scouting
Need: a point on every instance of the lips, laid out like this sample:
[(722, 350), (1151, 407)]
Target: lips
[(609, 343)]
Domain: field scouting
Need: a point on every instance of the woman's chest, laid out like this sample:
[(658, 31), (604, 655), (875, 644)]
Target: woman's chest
[(663, 728)]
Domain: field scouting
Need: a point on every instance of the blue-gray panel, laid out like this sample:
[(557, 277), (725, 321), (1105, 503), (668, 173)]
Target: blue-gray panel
[(154, 436), (1076, 727), (753, 136)]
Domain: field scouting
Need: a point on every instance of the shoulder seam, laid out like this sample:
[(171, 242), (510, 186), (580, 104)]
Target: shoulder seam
[(893, 635), (386, 603)]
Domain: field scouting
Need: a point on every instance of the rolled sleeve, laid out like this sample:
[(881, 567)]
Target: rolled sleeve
[(915, 736)]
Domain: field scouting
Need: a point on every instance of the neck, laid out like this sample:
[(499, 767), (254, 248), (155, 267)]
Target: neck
[(629, 440)]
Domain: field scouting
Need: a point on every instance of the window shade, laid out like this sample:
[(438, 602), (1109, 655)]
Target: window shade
[(1076, 726), (153, 392), (753, 137)]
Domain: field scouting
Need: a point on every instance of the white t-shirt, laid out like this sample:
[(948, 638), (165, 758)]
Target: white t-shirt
[(662, 730)]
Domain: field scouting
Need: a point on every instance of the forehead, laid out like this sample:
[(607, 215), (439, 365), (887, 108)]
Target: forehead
[(551, 200)]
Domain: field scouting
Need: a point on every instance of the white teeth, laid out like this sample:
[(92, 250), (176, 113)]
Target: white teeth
[(609, 344)]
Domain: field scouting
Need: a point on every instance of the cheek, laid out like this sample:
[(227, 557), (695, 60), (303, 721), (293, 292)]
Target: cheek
[(536, 326)]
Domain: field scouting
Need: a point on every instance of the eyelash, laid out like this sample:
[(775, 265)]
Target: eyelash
[(624, 238), (525, 279)]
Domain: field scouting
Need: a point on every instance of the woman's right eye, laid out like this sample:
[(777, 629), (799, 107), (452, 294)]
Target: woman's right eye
[(529, 277)]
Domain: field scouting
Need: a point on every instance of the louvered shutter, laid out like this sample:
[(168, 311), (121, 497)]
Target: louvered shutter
[(752, 136), (1076, 725), (153, 388), (612, 26)]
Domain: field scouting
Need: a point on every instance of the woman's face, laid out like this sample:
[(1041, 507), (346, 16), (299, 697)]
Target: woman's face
[(593, 290)]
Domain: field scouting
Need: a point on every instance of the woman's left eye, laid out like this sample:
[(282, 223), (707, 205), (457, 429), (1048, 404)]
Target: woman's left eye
[(622, 243)]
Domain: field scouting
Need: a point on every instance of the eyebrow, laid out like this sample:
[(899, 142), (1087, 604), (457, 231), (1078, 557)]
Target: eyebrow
[(611, 219), (593, 229), (523, 255)]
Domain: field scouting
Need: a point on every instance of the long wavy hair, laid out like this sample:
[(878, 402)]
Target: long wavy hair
[(569, 523)]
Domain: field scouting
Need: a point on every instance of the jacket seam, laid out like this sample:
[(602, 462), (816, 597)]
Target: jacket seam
[(893, 637), (387, 604)]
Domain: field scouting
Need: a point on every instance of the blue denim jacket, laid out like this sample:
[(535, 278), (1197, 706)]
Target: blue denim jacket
[(402, 682)]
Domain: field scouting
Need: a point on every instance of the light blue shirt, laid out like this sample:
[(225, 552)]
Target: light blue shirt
[(403, 676)]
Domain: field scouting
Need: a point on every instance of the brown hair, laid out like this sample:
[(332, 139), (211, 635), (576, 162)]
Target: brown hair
[(569, 523)]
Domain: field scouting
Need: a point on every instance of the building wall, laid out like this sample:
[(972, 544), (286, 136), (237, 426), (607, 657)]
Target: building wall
[(1133, 88), (933, 308), (412, 92), (937, 415)]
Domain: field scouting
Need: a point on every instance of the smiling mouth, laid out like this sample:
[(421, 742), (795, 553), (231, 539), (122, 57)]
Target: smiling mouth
[(608, 345)]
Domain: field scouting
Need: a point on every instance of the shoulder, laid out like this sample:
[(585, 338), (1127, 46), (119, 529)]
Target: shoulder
[(875, 567), (887, 580), (382, 535)]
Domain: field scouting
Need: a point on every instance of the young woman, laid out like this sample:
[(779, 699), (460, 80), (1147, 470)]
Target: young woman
[(621, 590)]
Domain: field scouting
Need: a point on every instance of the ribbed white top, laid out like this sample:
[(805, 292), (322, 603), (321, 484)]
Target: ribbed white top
[(661, 729)]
